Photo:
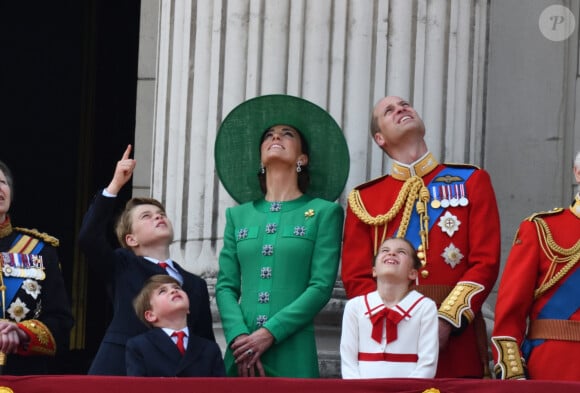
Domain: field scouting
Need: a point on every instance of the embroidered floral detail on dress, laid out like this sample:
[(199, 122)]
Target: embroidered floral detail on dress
[(261, 320), (309, 213), (299, 231), (452, 255), (449, 223), (32, 287), (271, 228), (263, 297), (18, 310), (275, 206), (242, 233), (266, 272), (267, 250)]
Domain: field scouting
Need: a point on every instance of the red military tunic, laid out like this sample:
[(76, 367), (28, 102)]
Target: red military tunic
[(463, 248), (529, 287)]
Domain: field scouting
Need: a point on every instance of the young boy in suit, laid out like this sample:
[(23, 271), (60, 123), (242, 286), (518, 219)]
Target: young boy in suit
[(392, 331), (145, 233), (168, 350)]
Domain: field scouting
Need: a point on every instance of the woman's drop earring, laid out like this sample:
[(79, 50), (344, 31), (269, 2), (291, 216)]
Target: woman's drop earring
[(299, 166)]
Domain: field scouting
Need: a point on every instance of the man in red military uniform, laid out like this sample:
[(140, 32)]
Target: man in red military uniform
[(449, 213), (541, 284)]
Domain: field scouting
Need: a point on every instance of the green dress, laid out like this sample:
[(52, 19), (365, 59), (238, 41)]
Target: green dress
[(277, 270)]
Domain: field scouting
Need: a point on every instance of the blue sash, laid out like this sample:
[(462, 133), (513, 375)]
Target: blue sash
[(564, 302), (414, 223)]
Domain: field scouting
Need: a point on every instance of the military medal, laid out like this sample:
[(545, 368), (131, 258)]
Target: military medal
[(452, 255), (454, 201), (435, 204), (444, 200), (463, 201), (23, 265)]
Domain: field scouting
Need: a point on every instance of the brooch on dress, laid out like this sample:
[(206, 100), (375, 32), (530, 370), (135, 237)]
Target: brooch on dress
[(299, 231), (266, 272), (261, 320), (263, 297), (267, 250), (242, 233)]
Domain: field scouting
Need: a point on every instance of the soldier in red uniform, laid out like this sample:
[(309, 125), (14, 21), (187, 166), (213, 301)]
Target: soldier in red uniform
[(449, 213), (537, 315)]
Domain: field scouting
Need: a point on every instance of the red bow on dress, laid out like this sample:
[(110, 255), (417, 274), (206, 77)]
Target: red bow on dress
[(392, 317)]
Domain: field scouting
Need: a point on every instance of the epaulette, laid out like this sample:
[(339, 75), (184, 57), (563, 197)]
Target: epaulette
[(555, 210), (370, 182), (53, 241), (461, 165)]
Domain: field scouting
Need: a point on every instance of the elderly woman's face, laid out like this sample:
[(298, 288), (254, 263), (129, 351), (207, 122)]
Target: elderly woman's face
[(5, 196)]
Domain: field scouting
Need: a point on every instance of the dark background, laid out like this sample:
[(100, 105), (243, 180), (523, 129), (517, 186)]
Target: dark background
[(68, 86)]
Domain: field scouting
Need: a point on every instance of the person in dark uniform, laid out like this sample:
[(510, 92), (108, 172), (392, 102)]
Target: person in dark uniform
[(537, 313), (36, 314), (168, 349), (145, 233), (449, 213)]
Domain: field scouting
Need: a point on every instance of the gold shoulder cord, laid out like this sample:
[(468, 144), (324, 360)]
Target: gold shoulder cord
[(556, 254), (413, 193)]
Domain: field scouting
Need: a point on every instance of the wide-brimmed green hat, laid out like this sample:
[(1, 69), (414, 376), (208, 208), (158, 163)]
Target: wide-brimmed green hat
[(237, 146)]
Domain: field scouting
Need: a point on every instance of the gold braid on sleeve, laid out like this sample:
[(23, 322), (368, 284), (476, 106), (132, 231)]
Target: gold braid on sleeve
[(556, 254), (413, 193)]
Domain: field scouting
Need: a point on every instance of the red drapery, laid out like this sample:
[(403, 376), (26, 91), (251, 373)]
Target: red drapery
[(93, 384)]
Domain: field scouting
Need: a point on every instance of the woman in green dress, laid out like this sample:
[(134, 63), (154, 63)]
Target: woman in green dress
[(282, 243)]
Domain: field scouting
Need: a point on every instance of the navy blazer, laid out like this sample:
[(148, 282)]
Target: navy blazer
[(124, 274), (154, 354)]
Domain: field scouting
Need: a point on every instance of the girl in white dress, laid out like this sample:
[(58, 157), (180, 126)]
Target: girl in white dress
[(391, 332)]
